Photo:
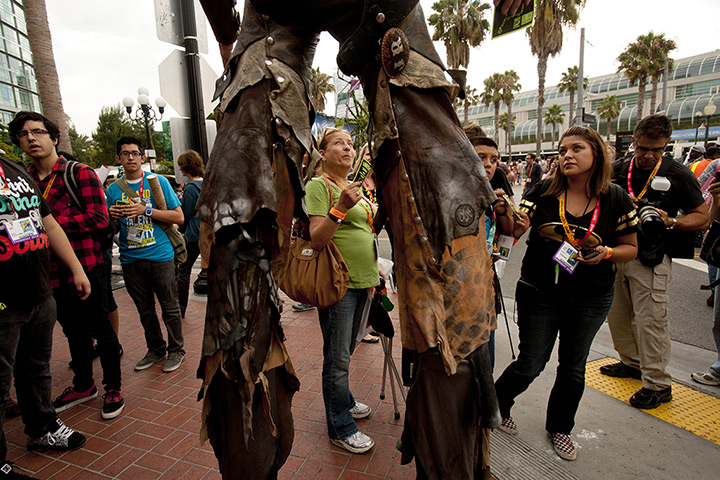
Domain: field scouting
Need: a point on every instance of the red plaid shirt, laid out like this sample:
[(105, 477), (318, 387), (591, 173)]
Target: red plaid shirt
[(76, 222)]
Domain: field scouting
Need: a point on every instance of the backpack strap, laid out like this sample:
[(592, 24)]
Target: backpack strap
[(71, 183)]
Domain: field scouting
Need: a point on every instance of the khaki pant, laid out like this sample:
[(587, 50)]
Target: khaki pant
[(638, 320)]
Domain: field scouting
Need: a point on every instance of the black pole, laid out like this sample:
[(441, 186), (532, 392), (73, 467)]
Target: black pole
[(146, 119), (192, 65)]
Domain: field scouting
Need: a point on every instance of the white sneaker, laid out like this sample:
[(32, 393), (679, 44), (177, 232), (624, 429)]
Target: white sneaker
[(360, 410), (358, 442)]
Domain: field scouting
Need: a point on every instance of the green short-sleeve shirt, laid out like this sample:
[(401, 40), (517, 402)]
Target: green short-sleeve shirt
[(356, 241)]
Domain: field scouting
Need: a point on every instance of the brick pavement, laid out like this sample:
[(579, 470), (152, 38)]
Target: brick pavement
[(156, 437)]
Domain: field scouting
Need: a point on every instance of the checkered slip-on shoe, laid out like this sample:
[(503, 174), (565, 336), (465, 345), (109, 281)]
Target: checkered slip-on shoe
[(563, 445), (508, 426)]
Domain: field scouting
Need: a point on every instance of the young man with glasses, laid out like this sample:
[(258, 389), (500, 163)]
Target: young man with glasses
[(146, 254), (82, 321), (638, 317)]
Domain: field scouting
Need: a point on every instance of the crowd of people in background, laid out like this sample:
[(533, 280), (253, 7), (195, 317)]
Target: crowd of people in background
[(588, 258)]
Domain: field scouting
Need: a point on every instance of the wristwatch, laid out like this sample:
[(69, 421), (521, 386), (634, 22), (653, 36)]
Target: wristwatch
[(672, 225), (148, 211)]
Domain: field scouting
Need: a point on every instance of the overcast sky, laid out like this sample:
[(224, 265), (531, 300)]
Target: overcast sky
[(106, 49)]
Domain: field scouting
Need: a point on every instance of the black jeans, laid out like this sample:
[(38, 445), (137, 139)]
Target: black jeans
[(542, 317), (183, 275), (25, 349), (144, 281), (83, 320)]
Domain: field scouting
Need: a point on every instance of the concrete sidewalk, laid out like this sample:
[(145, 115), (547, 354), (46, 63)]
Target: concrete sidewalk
[(156, 437)]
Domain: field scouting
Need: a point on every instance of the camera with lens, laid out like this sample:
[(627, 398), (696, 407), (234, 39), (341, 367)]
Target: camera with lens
[(651, 223)]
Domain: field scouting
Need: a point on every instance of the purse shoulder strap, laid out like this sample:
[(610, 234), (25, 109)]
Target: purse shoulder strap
[(330, 191)]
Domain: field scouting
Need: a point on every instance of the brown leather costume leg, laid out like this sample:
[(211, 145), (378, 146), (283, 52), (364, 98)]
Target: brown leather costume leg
[(248, 378)]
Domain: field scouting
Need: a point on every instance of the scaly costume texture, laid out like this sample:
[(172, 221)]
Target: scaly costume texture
[(433, 189)]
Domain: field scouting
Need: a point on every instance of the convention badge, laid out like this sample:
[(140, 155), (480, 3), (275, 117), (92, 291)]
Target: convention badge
[(21, 230), (567, 257), (505, 244), (134, 235)]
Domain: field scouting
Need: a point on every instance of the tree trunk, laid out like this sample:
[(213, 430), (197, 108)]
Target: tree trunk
[(641, 97), (608, 130), (45, 70), (542, 69), (497, 121), (466, 106), (509, 131), (653, 95), (571, 119), (552, 141)]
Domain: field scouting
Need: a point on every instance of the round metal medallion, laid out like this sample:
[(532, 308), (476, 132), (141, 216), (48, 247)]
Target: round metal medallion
[(394, 52), (465, 215)]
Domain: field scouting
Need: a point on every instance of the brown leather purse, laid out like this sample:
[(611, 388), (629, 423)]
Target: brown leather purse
[(316, 277)]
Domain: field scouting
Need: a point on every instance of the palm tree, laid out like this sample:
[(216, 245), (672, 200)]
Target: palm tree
[(320, 85), (569, 83), (460, 24), (635, 64), (546, 38), (510, 85), (503, 123), (658, 48), (38, 31), (554, 116), (493, 94), (609, 109)]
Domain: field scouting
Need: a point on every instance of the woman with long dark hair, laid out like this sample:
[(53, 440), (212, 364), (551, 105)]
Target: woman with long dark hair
[(581, 224)]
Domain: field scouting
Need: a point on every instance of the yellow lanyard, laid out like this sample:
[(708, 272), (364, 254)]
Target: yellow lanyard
[(370, 213), (566, 225), (49, 186), (647, 184)]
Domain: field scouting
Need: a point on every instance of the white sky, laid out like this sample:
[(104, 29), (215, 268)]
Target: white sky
[(106, 49)]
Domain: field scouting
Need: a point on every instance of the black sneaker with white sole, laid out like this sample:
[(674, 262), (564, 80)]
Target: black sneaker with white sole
[(60, 437)]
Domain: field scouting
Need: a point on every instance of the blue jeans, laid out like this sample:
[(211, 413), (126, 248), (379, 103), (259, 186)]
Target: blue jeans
[(25, 347), (340, 325), (715, 368), (541, 317), (144, 280)]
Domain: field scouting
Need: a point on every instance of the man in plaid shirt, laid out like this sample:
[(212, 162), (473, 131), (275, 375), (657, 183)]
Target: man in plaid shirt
[(82, 321)]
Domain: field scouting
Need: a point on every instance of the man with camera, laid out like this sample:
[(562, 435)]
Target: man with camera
[(638, 320)]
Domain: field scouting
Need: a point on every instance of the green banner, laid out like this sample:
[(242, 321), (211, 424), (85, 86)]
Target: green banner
[(504, 24)]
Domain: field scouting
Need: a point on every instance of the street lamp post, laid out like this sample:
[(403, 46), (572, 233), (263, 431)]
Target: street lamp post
[(709, 111), (698, 122), (145, 115)]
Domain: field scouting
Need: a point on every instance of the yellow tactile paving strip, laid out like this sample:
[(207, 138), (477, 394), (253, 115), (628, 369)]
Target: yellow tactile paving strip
[(690, 410)]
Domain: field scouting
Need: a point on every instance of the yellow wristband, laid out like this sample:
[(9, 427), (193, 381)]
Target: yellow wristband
[(609, 253), (337, 213)]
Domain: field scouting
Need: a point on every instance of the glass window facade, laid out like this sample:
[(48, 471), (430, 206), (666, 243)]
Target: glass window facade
[(18, 84)]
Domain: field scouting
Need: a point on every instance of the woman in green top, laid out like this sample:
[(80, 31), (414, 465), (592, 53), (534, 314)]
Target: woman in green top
[(347, 222)]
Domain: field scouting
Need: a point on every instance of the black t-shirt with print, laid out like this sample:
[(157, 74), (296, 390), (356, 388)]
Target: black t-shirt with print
[(616, 218), (23, 267)]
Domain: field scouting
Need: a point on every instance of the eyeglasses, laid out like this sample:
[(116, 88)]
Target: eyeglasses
[(645, 150), (36, 132), (134, 154)]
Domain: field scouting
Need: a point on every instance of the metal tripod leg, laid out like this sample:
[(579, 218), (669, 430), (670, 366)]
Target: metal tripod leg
[(389, 366)]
